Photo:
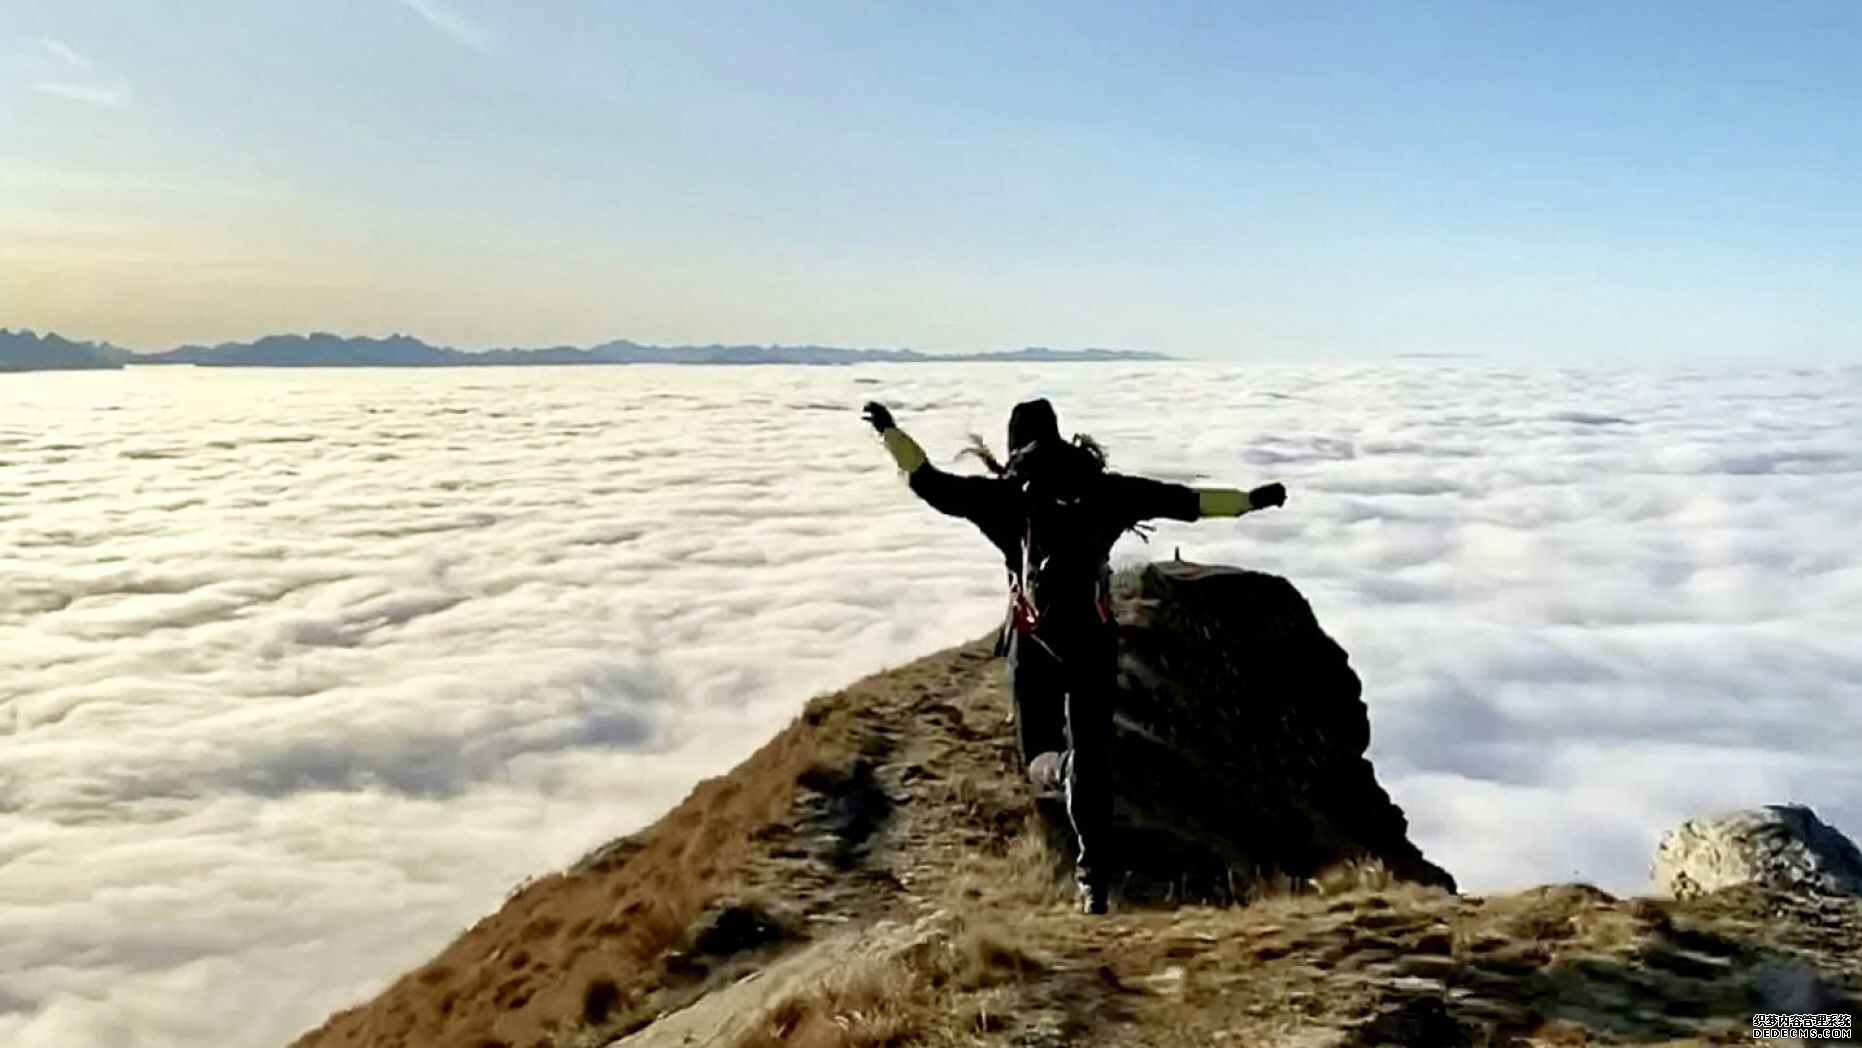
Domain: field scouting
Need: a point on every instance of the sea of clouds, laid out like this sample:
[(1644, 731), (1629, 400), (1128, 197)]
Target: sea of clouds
[(302, 671)]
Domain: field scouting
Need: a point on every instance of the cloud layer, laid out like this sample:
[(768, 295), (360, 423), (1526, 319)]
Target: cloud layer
[(300, 672)]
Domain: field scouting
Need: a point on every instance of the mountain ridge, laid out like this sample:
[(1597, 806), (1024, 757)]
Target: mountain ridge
[(877, 875), (25, 351)]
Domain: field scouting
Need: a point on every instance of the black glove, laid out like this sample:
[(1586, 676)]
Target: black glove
[(1268, 495), (876, 413)]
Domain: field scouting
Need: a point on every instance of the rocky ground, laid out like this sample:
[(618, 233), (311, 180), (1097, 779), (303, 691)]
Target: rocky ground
[(878, 875)]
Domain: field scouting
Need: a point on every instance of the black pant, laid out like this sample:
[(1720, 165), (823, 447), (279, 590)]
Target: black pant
[(1065, 680)]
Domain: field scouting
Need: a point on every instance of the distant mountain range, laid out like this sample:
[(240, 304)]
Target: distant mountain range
[(24, 351)]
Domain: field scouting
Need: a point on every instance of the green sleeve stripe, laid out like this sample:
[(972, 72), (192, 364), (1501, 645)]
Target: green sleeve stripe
[(905, 450), (1222, 502)]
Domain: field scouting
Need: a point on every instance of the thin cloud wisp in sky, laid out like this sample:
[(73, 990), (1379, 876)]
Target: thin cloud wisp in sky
[(108, 96), (75, 77), (66, 53), (450, 22)]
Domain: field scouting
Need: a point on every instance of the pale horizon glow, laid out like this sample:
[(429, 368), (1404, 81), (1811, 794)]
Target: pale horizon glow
[(1594, 183)]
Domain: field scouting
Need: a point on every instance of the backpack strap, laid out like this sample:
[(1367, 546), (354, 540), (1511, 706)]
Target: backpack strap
[(1022, 610)]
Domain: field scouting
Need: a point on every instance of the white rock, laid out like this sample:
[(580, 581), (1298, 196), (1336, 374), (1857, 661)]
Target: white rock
[(1783, 847)]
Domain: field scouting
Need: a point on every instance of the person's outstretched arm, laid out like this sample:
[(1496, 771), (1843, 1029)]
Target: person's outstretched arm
[(1147, 499), (1232, 502), (972, 498)]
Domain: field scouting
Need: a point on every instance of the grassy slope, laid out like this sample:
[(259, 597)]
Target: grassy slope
[(898, 800)]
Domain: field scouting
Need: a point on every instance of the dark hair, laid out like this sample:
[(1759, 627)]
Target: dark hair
[(980, 448), (1083, 446)]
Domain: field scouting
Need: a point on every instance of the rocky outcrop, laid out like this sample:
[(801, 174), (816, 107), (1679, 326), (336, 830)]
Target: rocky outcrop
[(1781, 848), (1241, 733)]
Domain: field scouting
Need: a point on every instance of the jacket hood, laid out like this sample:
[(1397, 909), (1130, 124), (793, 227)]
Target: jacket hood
[(1031, 422)]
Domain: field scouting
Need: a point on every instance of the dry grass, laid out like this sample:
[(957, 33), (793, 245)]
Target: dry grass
[(943, 991), (1024, 875), (1549, 922), (910, 784), (593, 947), (1355, 875)]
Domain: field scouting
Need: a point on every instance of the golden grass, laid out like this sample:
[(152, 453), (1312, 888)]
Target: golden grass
[(588, 947), (937, 992), (576, 958)]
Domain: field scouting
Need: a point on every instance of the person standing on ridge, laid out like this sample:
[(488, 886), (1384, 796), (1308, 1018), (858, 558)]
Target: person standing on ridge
[(1055, 512)]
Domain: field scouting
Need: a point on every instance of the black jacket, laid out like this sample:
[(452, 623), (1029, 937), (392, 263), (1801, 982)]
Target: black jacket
[(1070, 517)]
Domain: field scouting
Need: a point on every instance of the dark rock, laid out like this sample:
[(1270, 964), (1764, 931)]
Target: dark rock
[(1422, 1022), (598, 1000), (735, 927), (848, 803), (1240, 742), (727, 929), (1796, 987)]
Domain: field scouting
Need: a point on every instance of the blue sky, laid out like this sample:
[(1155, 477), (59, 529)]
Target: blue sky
[(1550, 182)]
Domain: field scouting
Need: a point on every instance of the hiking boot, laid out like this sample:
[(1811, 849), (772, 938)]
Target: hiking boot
[(1048, 772), (1092, 898)]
